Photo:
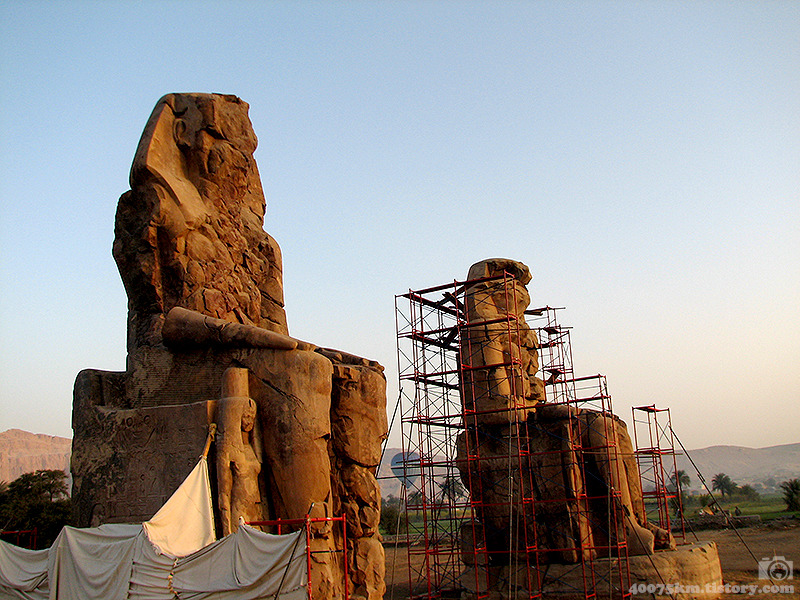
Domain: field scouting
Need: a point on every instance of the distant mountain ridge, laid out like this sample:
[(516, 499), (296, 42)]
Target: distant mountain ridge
[(744, 465), (753, 466), (24, 452)]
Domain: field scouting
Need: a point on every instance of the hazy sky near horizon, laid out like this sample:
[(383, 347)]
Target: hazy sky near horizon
[(643, 158)]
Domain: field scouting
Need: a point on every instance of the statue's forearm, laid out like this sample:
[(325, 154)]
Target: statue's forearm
[(184, 327)]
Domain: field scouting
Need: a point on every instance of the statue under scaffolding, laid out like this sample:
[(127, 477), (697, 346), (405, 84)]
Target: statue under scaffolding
[(527, 482)]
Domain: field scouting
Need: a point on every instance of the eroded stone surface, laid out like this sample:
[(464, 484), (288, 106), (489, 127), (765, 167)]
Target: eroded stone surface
[(368, 566), (238, 453), (189, 232), (564, 460), (499, 347), (293, 393), (205, 291), (127, 462), (690, 570), (357, 417)]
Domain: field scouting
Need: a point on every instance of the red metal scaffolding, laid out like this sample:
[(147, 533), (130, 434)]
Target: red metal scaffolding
[(477, 522), (309, 524), (24, 538), (661, 483)]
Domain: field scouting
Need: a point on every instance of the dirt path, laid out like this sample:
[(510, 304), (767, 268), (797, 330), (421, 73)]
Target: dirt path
[(738, 566), (764, 541)]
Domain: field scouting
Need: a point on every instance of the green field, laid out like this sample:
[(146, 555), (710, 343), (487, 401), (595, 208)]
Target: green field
[(767, 507), (447, 522)]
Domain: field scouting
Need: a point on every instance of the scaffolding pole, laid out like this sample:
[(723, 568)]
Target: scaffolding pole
[(658, 467)]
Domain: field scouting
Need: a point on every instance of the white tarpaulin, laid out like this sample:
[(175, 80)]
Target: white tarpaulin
[(92, 563), (169, 556), (191, 503), (23, 573)]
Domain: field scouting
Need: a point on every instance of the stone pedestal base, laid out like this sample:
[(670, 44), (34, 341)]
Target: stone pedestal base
[(691, 569), (686, 572)]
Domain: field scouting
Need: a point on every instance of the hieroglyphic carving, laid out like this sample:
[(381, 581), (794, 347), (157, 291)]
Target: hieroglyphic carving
[(128, 462)]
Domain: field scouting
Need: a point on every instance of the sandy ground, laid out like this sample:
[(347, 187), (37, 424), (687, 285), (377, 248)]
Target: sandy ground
[(765, 541), (739, 568)]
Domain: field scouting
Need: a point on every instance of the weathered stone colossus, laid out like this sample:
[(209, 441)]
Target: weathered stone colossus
[(205, 293), (567, 454), (501, 385), (189, 232)]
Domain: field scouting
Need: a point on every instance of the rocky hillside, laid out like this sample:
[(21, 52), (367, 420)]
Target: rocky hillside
[(23, 452), (755, 466)]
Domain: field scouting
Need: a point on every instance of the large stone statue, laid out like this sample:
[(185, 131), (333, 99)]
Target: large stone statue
[(555, 492), (564, 461), (189, 233), (205, 293)]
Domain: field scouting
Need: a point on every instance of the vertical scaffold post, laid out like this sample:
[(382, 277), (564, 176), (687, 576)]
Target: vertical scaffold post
[(658, 467)]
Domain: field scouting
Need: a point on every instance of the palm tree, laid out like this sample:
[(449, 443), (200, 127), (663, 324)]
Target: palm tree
[(748, 492), (452, 488), (723, 483), (791, 494), (415, 499), (680, 479)]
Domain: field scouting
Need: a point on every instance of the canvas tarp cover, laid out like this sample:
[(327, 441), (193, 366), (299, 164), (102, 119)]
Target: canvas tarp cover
[(117, 562)]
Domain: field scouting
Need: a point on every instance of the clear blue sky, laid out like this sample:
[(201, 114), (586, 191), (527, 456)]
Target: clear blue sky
[(643, 158)]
